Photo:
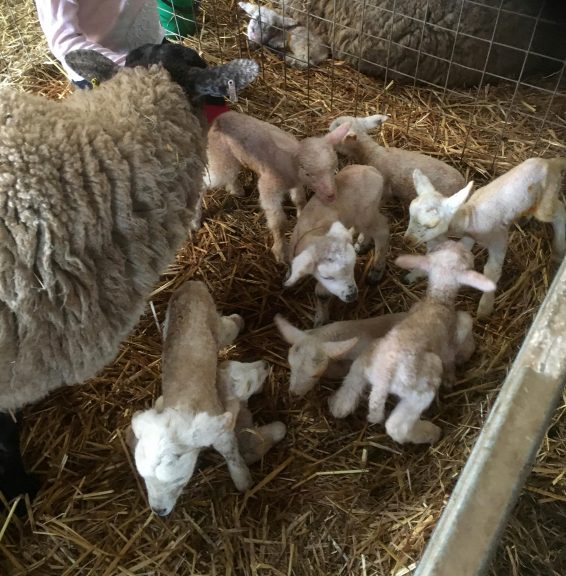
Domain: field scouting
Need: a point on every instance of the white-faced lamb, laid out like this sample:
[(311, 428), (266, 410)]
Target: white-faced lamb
[(530, 189), (299, 46), (284, 165), (322, 246), (412, 359), (329, 350), (98, 192), (195, 410), (395, 164)]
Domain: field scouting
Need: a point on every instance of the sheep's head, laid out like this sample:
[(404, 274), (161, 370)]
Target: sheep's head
[(450, 264), (331, 260), (430, 212), (318, 163), (167, 444), (308, 356), (184, 65), (359, 126)]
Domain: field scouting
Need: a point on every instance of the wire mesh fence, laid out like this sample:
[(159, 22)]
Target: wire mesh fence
[(459, 49)]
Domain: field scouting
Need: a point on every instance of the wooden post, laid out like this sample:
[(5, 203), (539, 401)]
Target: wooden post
[(491, 481)]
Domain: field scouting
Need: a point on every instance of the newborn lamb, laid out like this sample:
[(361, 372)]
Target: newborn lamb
[(412, 359), (192, 412)]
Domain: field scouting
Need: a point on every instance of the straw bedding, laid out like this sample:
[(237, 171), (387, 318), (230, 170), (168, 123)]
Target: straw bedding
[(335, 497)]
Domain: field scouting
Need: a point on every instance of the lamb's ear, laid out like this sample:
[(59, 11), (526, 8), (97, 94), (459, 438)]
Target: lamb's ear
[(422, 184), (206, 429), (337, 349), (290, 333), (371, 122), (249, 8), (91, 65), (301, 265), (159, 404), (452, 203), (141, 420), (214, 81), (412, 262), (338, 134), (476, 280), (285, 22), (339, 121)]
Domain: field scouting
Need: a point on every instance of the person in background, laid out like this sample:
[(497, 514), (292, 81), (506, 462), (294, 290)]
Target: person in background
[(111, 27)]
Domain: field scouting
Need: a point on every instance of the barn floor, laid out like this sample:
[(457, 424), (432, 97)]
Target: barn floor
[(335, 497)]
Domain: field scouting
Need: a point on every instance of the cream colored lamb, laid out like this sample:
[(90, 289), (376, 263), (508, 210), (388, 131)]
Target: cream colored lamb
[(236, 382), (191, 413), (412, 359), (530, 189), (300, 46), (395, 164), (322, 246), (284, 165), (329, 350)]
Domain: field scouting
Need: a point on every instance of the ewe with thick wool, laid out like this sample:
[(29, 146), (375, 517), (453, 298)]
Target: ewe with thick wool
[(335, 497)]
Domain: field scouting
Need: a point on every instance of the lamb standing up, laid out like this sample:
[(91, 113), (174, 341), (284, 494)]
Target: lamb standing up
[(330, 349), (191, 414), (395, 164), (322, 246), (283, 164), (530, 189), (98, 192), (268, 28), (413, 357)]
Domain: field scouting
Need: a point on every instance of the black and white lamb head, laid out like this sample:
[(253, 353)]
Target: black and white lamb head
[(184, 65)]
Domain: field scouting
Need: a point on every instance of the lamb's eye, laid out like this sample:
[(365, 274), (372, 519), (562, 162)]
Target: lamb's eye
[(327, 277)]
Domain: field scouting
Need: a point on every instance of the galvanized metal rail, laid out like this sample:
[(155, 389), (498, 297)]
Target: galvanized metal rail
[(468, 531)]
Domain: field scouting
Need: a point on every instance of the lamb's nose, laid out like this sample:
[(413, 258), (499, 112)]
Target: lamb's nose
[(160, 511), (352, 295)]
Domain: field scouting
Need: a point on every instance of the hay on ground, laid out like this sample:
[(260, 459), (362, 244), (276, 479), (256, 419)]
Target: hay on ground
[(335, 497)]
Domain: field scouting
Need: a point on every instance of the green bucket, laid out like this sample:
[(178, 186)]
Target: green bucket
[(178, 17)]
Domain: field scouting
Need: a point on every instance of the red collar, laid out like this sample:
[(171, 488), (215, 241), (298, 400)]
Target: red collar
[(211, 111)]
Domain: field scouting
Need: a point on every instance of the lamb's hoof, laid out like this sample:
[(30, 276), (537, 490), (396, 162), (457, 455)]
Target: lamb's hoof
[(287, 274), (279, 255), (412, 277), (375, 417), (339, 408), (426, 433), (244, 482), (484, 309), (277, 431), (239, 321), (374, 276)]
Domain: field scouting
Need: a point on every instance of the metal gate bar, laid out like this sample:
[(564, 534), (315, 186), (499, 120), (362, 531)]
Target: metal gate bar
[(477, 512)]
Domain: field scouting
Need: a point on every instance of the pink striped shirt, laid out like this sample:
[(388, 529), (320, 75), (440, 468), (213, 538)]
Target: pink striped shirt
[(112, 27)]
